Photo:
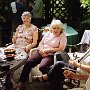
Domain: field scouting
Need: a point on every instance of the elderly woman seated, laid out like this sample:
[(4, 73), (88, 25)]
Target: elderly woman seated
[(45, 53), (26, 35)]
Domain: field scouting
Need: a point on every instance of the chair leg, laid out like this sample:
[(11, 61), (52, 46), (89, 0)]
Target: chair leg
[(70, 50)]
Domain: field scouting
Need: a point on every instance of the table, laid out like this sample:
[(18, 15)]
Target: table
[(85, 37), (20, 59), (72, 36)]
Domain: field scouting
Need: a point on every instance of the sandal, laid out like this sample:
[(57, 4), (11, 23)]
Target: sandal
[(20, 86), (40, 78), (36, 78)]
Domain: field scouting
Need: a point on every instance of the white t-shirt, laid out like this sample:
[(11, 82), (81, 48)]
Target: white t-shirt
[(13, 5)]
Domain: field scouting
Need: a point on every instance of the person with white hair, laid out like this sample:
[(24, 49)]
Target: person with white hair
[(26, 34), (53, 41)]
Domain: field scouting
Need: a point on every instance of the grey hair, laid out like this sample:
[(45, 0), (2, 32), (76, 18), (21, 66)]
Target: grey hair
[(57, 22), (26, 13)]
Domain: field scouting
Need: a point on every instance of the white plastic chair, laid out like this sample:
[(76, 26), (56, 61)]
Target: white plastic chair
[(57, 56), (35, 70)]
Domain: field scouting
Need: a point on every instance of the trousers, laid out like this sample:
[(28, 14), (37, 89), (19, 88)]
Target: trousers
[(35, 59), (56, 76)]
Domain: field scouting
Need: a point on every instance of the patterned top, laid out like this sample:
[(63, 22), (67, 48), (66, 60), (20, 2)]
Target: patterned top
[(51, 41), (25, 37)]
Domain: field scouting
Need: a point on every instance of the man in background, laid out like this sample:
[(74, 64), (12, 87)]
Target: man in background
[(37, 13), (17, 8)]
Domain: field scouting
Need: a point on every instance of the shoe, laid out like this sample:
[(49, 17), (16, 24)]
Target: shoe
[(40, 78), (35, 78), (72, 84), (20, 86)]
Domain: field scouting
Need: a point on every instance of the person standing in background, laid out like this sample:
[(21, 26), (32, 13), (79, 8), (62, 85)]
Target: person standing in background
[(17, 8), (37, 13)]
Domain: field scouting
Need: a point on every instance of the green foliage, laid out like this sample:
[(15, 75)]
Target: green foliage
[(2, 19), (85, 22), (3, 9), (85, 3)]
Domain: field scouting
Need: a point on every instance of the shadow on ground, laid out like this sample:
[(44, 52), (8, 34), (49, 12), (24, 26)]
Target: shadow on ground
[(39, 86)]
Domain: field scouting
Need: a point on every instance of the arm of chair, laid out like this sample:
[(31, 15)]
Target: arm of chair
[(8, 44), (35, 70), (55, 56), (31, 51)]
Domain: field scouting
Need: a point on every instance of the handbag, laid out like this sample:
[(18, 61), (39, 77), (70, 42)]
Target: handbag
[(62, 56)]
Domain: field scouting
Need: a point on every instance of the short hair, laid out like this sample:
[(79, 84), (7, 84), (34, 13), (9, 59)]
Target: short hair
[(26, 13), (57, 22)]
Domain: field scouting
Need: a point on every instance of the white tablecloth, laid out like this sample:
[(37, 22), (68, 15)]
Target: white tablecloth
[(85, 37)]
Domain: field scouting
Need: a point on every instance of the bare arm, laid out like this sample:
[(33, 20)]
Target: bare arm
[(81, 66), (77, 76), (34, 43)]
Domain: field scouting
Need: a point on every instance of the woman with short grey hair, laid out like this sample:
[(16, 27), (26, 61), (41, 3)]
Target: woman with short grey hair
[(26, 35)]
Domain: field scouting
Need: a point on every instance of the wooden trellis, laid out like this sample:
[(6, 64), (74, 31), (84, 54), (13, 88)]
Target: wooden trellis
[(55, 9), (68, 11)]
